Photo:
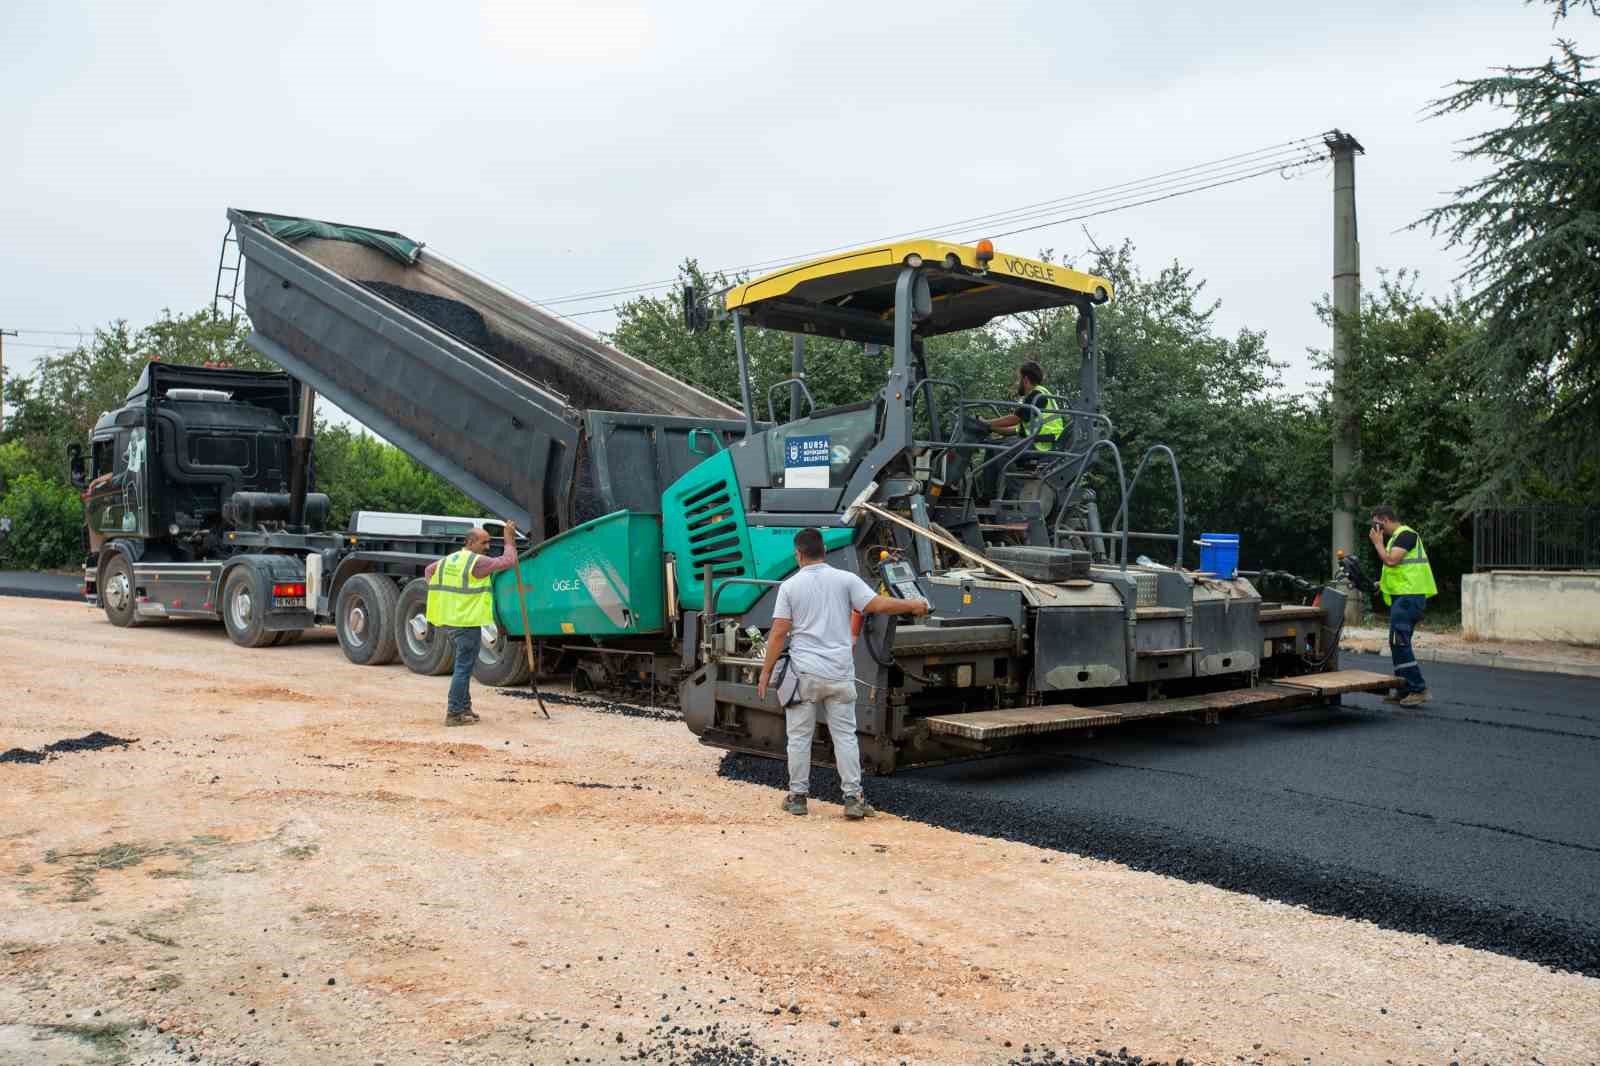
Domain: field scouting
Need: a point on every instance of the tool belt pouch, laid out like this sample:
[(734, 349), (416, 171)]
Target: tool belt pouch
[(786, 682)]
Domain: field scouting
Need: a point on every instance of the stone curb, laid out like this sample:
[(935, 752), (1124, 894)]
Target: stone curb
[(1494, 661)]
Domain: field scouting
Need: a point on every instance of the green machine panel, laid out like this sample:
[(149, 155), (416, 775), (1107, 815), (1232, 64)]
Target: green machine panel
[(603, 578), (705, 525)]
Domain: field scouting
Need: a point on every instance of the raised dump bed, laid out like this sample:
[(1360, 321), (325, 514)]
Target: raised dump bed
[(483, 387)]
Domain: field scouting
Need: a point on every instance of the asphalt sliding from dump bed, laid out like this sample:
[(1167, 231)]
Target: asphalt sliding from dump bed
[(1470, 819)]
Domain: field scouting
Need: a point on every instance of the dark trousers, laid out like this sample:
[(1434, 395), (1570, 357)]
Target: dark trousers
[(1404, 614), (466, 641)]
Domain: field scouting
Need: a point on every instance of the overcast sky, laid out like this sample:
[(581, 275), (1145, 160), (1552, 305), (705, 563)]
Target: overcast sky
[(563, 148)]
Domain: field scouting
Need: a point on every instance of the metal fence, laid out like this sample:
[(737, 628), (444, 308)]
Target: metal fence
[(1536, 538)]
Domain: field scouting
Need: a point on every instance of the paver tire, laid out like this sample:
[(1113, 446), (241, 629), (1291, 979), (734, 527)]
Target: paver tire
[(424, 648), (502, 659), (364, 617), (118, 595), (243, 612)]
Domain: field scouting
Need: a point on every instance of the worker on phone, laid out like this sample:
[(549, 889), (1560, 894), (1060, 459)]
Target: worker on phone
[(813, 608), (1406, 584), (460, 604)]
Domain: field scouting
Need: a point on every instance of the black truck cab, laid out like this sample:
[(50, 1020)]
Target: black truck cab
[(163, 468)]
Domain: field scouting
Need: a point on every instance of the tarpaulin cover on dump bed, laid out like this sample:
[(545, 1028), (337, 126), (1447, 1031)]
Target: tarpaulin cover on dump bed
[(396, 246)]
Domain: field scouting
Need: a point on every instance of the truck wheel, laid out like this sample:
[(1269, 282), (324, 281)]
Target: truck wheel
[(118, 596), (364, 617), (424, 648), (243, 612), (502, 659)]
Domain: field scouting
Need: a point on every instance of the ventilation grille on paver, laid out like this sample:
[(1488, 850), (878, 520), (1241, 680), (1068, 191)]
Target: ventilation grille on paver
[(714, 533)]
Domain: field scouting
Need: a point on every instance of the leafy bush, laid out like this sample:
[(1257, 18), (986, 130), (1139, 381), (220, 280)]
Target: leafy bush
[(46, 523)]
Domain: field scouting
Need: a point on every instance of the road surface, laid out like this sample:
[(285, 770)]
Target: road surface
[(1471, 819), (41, 586)]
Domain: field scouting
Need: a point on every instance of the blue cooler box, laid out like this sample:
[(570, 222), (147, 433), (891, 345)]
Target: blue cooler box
[(1219, 554)]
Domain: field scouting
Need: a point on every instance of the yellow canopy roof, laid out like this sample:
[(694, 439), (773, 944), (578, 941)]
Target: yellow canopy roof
[(851, 294)]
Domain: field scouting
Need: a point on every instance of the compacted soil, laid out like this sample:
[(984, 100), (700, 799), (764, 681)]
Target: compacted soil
[(293, 861)]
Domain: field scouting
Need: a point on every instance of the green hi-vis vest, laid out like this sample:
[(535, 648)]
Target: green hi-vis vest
[(1412, 576), (455, 597), (1051, 428)]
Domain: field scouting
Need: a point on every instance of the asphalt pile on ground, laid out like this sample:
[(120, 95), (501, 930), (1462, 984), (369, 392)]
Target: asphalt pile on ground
[(604, 706), (708, 1045), (88, 742), (1043, 1056), (1200, 859)]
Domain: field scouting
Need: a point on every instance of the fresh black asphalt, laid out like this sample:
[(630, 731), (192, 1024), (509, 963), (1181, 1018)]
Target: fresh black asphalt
[(1474, 819), (41, 586)]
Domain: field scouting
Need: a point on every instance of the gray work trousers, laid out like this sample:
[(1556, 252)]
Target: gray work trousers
[(838, 702)]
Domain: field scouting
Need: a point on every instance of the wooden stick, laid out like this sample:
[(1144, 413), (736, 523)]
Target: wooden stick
[(959, 548), (527, 630)]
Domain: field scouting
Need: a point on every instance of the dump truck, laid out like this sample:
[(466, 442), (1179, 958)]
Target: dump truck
[(199, 498)]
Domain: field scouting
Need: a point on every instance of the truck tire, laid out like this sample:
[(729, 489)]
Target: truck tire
[(364, 617), (502, 659), (243, 613), (118, 595), (424, 648)]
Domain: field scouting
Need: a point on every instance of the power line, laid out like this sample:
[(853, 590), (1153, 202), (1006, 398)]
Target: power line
[(1166, 185)]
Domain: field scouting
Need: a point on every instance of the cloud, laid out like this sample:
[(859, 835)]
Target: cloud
[(567, 31)]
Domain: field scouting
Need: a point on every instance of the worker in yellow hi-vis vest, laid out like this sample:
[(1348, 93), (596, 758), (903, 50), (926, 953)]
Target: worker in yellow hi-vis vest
[(1038, 410), (461, 604), (1406, 585)]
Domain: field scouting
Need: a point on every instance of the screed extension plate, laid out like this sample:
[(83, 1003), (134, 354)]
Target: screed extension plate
[(1062, 717), (1338, 681)]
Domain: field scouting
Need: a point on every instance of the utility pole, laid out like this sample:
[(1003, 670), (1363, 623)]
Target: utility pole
[(4, 333), (1346, 311)]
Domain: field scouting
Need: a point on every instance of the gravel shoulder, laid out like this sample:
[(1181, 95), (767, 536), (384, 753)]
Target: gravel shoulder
[(296, 862)]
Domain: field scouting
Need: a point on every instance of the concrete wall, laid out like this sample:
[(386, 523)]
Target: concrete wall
[(1532, 605)]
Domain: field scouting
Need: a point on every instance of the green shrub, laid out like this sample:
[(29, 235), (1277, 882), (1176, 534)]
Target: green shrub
[(46, 524)]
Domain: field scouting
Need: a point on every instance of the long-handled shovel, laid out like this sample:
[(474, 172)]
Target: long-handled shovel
[(527, 637)]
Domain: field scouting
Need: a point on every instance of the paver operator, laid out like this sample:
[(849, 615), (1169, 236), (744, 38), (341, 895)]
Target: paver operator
[(812, 617), (460, 603), (1406, 584), (1039, 402)]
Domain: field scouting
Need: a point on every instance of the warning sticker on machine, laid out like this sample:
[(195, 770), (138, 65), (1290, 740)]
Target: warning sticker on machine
[(805, 462)]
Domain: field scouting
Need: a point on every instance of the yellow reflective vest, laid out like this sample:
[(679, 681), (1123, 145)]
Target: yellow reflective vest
[(455, 597), (1051, 428), (1411, 576)]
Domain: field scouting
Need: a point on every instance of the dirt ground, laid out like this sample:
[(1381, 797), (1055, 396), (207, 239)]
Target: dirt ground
[(296, 863)]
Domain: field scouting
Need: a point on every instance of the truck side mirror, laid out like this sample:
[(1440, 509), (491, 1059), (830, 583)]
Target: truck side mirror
[(75, 463)]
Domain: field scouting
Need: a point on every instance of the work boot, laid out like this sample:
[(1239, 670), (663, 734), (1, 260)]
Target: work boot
[(463, 718), (794, 803), (857, 807), (1415, 699)]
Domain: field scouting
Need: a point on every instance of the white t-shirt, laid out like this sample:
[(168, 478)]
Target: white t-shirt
[(817, 602)]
